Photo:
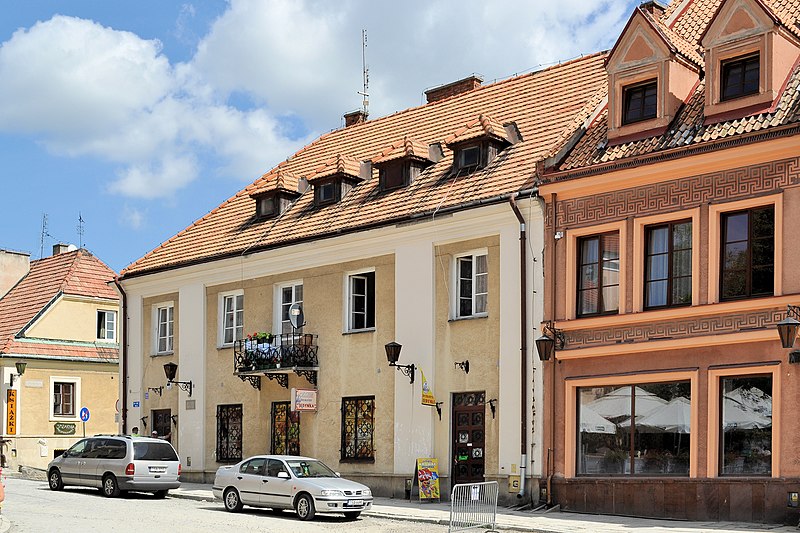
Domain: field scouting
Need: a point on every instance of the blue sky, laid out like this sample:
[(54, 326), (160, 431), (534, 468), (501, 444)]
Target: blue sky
[(141, 117)]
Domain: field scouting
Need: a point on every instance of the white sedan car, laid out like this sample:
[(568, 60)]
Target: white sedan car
[(290, 482)]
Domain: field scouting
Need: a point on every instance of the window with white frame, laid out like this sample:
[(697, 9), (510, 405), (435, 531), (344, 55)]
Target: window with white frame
[(232, 317), (361, 299), (290, 294), (473, 284), (65, 395), (107, 325), (164, 324)]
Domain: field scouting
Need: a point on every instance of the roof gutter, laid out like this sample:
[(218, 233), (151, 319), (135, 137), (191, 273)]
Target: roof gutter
[(123, 355)]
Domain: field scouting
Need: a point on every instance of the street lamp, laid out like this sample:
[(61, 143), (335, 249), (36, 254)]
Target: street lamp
[(170, 369), (552, 339), (787, 328), (20, 370), (393, 354)]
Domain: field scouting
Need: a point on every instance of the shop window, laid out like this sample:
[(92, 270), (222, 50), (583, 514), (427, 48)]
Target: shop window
[(746, 425), (668, 265), (634, 429), (598, 274), (748, 253), (358, 426)]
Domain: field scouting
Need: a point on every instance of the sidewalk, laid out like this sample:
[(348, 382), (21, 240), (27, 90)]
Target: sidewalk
[(553, 522)]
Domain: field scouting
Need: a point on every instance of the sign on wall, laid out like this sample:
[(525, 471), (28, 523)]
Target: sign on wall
[(304, 399), (64, 428), (11, 412)]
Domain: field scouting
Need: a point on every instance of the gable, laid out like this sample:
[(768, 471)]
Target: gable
[(735, 20), (639, 44)]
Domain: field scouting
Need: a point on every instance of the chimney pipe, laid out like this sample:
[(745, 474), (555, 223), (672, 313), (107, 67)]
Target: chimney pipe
[(354, 117), (455, 88)]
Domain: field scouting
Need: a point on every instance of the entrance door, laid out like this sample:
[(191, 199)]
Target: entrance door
[(161, 422), (285, 430), (468, 436)]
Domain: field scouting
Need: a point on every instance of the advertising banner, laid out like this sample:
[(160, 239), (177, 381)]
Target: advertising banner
[(304, 399), (11, 412), (428, 478), (427, 394)]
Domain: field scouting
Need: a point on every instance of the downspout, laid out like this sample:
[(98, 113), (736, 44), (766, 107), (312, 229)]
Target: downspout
[(124, 356), (523, 342), (552, 451)]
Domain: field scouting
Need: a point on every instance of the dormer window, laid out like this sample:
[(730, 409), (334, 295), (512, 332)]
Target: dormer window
[(740, 76), (640, 101), (325, 193), (400, 163), (274, 193), (265, 206), (468, 156), (392, 175)]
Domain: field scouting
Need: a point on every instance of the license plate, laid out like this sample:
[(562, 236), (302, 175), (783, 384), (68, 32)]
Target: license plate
[(158, 469), (355, 503)]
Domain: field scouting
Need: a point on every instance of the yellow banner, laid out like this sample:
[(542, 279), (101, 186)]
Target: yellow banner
[(11, 412), (428, 477), (427, 394)]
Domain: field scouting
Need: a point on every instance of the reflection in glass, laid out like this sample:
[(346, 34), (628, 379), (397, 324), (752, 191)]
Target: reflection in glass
[(746, 425), (634, 429)]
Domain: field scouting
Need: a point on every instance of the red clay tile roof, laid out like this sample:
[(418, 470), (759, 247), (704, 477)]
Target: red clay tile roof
[(277, 179), (688, 128), (543, 105), (400, 149), (341, 164), (77, 273), (482, 126)]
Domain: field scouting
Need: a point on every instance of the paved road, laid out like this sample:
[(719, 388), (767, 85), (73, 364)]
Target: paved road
[(32, 507)]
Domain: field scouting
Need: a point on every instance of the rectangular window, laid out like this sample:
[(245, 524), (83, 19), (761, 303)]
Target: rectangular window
[(634, 429), (229, 433), (469, 156), (740, 77), (393, 175), (668, 265), (640, 102), (290, 295), (358, 425), (362, 301), (106, 325), (265, 206), (473, 285), (746, 425), (232, 318), (598, 274), (63, 399), (325, 193), (748, 253), (164, 328)]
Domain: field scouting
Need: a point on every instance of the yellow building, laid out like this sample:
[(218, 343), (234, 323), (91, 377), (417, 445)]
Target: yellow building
[(58, 352)]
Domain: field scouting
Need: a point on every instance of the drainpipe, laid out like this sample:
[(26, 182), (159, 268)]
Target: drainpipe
[(523, 317), (124, 356), (552, 451)]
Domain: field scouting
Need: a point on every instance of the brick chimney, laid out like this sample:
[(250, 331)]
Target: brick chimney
[(13, 267), (452, 89), (354, 117), (60, 248)]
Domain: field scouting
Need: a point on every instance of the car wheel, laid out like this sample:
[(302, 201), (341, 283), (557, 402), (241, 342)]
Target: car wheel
[(110, 487), (305, 507), (352, 515), (54, 480), (232, 501), (161, 494)]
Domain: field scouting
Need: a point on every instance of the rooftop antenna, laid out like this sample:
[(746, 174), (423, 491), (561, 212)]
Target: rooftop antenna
[(80, 230), (365, 72), (44, 232)]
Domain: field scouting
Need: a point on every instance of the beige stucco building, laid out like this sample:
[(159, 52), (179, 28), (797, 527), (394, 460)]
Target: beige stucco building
[(58, 318)]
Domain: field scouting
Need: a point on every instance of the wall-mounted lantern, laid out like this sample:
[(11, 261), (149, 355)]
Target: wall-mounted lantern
[(787, 328), (464, 365), (552, 339), (20, 370), (393, 354), (170, 369)]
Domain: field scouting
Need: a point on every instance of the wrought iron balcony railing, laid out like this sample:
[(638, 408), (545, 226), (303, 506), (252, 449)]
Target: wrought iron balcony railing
[(276, 357)]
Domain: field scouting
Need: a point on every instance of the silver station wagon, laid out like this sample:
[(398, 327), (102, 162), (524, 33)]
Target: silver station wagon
[(290, 482), (117, 463)]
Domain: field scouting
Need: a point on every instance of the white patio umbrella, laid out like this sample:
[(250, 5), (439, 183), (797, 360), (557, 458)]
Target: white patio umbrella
[(752, 398), (738, 415), (591, 422), (674, 417), (617, 403)]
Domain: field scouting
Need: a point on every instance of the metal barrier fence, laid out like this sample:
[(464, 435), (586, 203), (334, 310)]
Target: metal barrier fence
[(473, 506)]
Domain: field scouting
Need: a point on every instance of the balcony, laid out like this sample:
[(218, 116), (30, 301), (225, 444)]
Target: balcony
[(276, 358)]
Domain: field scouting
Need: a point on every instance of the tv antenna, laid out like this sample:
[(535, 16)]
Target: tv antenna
[(80, 230), (365, 73), (44, 232)]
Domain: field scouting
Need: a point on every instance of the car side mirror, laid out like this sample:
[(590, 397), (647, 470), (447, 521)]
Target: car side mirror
[(283, 475), (338, 474), (65, 454)]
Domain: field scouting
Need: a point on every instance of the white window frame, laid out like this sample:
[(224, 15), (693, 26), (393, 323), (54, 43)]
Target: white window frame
[(348, 299), (156, 327), (223, 296), (113, 330), (278, 322), (76, 382), (456, 293)]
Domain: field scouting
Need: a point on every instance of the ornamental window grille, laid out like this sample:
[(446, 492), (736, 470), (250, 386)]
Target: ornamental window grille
[(358, 426), (285, 429), (229, 433)]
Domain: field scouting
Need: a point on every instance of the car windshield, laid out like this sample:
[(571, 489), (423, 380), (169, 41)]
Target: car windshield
[(154, 451), (305, 468)]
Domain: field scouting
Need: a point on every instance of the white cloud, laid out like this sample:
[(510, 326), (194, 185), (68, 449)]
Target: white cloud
[(83, 89), (132, 218)]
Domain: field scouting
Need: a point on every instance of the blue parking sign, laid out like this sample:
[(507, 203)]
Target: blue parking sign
[(84, 414)]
